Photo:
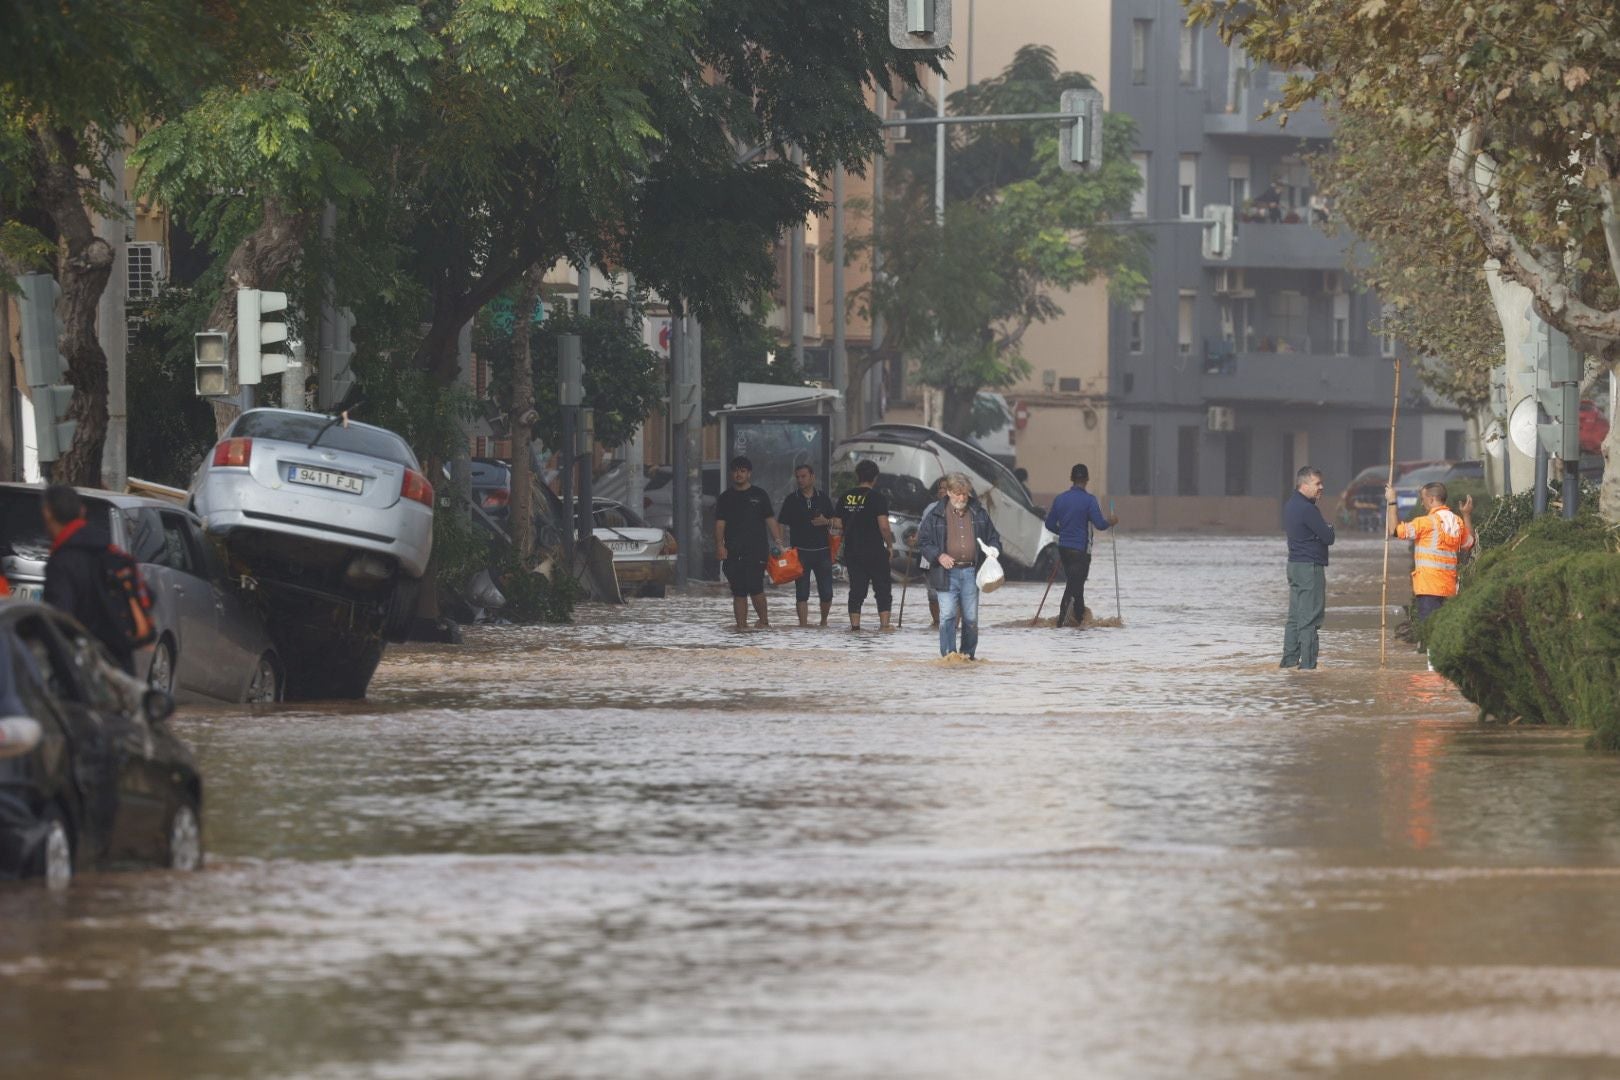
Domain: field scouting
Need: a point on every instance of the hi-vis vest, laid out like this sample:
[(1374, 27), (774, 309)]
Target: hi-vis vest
[(1437, 538)]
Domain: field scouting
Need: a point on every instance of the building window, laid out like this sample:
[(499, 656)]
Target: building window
[(1187, 460), (1139, 201), (1454, 444), (1136, 331), (1341, 324), (1237, 463), (1185, 306), (807, 276), (1069, 384), (1237, 188), (1141, 462), (1188, 185), (1238, 77), (1141, 33), (1189, 55)]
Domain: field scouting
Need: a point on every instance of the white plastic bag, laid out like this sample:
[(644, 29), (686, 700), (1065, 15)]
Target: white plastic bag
[(990, 575)]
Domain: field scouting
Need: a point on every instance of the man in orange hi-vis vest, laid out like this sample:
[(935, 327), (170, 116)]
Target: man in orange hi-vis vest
[(1439, 537)]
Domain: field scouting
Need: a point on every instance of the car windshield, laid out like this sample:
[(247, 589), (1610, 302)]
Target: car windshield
[(22, 530), (303, 427)]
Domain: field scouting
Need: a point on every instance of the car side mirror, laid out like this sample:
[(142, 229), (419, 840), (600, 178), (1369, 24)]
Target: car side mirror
[(18, 735), (157, 705)]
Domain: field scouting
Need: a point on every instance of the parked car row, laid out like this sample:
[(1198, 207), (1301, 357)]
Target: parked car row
[(1361, 506)]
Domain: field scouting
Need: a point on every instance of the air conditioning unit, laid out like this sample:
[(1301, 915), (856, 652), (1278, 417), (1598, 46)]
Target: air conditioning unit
[(1220, 418), (143, 271)]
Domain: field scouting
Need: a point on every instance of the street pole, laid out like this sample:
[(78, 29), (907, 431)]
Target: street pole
[(933, 405), (796, 280), (587, 429), (1539, 499), (694, 437), (327, 393), (635, 449), (112, 327), (840, 353), (680, 488)]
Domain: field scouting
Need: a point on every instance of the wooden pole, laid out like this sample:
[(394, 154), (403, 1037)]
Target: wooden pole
[(1113, 546), (1383, 605), (1056, 562)]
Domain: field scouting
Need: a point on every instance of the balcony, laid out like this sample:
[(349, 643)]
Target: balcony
[(1245, 104), (1260, 245), (1295, 377)]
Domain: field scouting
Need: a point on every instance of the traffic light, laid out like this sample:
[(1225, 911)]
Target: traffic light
[(44, 366), (1217, 232), (253, 333), (920, 24), (1080, 143), (211, 355)]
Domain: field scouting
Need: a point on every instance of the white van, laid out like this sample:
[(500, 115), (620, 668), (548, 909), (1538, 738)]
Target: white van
[(911, 459)]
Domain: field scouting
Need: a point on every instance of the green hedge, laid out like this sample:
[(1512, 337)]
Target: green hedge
[(1534, 633)]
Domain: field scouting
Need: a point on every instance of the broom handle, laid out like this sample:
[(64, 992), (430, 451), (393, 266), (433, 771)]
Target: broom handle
[(1383, 603), (1113, 546)]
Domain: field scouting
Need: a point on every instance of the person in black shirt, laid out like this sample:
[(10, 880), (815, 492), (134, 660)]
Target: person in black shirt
[(742, 516), (807, 513), (863, 513)]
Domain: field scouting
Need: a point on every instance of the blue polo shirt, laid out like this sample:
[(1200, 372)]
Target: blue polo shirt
[(1070, 513)]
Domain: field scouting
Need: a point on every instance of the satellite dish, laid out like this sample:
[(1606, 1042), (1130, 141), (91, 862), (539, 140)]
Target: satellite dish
[(1493, 439), (1522, 423)]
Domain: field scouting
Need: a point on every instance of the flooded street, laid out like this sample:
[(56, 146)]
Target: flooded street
[(649, 845)]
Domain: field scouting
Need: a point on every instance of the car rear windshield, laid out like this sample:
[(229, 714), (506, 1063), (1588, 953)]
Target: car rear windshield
[(303, 427), (22, 530)]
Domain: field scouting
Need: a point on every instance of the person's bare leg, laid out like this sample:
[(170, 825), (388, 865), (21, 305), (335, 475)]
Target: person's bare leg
[(804, 614), (854, 620), (739, 607), (826, 610), (759, 606), (883, 620)]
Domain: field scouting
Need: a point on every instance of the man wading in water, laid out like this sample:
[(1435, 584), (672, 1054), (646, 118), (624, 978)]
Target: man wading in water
[(949, 539), (863, 514), (1309, 537), (807, 513), (1072, 512), (742, 514)]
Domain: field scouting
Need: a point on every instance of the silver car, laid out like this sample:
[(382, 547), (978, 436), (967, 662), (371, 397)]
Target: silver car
[(212, 644), (327, 507)]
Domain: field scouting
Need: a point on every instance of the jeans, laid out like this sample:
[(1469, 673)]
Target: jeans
[(816, 561), (1076, 568), (962, 594), (1307, 603)]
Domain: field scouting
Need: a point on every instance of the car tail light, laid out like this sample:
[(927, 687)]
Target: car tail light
[(670, 547), (415, 487), (497, 498), (233, 454)]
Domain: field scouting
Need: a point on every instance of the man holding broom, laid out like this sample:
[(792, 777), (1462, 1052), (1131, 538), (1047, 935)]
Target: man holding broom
[(1071, 515)]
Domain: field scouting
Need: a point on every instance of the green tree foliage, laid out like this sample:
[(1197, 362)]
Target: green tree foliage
[(1520, 100), (1017, 229), (173, 427), (743, 349)]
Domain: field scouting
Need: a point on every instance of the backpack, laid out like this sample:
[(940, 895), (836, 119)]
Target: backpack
[(128, 601)]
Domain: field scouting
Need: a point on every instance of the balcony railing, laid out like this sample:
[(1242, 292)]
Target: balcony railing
[(1300, 377), (1245, 103), (1261, 245)]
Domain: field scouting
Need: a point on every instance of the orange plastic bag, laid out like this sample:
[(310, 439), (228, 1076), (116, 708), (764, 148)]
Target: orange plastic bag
[(837, 542), (785, 567)]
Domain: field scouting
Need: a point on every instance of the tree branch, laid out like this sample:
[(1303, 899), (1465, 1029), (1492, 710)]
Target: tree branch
[(1553, 298)]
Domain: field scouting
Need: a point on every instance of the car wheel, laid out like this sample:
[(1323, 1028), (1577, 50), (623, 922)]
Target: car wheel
[(161, 674), (56, 853), (400, 612), (265, 686), (655, 592), (185, 840)]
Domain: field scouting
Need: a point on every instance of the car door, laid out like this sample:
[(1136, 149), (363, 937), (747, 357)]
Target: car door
[(141, 803), (240, 634), (204, 664)]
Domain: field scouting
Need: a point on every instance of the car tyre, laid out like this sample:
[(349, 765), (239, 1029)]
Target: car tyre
[(267, 686), (160, 675), (185, 846), (55, 862), (400, 611)]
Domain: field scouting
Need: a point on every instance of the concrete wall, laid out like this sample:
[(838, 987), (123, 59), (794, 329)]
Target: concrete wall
[(1251, 515)]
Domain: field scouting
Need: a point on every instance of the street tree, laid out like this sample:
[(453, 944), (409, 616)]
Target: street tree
[(959, 298), (1522, 99), (75, 79)]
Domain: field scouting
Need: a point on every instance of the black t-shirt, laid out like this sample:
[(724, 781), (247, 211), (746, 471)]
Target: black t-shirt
[(796, 514), (744, 513), (861, 509)]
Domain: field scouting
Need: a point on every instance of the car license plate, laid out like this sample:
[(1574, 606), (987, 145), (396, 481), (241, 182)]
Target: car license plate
[(27, 592), (628, 546), (301, 474)]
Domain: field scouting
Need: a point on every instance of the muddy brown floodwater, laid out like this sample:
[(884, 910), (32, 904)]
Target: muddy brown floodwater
[(646, 845)]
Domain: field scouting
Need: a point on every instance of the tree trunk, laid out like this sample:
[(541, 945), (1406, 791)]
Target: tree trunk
[(453, 305), (958, 412), (84, 264), (523, 418), (257, 262), (1609, 491)]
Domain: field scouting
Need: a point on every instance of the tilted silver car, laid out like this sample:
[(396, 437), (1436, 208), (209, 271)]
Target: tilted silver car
[(212, 643), (334, 520)]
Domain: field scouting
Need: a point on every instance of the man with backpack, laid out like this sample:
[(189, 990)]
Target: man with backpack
[(84, 571)]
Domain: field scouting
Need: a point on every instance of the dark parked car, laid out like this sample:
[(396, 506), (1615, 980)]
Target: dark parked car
[(211, 642), (90, 775)]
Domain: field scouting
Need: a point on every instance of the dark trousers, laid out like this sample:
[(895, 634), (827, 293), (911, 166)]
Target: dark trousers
[(1307, 604), (869, 573), (1076, 568), (1424, 606), (816, 561)]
